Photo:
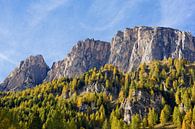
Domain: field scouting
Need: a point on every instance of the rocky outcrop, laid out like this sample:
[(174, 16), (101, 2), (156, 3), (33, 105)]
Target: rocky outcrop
[(94, 87), (143, 44), (140, 103), (30, 72), (85, 55)]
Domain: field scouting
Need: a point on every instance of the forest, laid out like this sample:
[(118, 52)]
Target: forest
[(97, 99)]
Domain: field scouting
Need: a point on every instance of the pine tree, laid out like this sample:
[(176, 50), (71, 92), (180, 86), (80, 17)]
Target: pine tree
[(102, 114), (142, 72), (163, 119), (186, 100), (177, 97), (106, 125), (107, 83), (152, 118), (115, 123), (93, 76), (184, 125), (163, 101), (135, 122), (144, 123), (74, 84), (72, 124), (187, 120), (193, 94), (114, 72), (165, 114), (177, 117), (167, 110), (193, 115)]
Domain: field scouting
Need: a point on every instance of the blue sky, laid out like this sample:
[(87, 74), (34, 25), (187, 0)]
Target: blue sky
[(52, 27)]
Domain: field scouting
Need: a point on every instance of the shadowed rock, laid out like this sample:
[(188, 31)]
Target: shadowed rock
[(29, 73)]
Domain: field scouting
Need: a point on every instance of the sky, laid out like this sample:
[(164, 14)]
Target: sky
[(53, 27)]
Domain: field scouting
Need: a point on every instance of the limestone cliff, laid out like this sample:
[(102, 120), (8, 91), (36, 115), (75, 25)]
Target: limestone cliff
[(143, 44), (127, 50), (84, 55), (29, 73)]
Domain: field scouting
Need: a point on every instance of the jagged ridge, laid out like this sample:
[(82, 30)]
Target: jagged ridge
[(127, 50)]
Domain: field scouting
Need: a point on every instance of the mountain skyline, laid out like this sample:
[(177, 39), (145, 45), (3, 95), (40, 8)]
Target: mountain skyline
[(48, 28)]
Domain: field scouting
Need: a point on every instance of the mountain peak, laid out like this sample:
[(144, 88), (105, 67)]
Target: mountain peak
[(127, 50), (86, 54), (141, 44), (30, 72)]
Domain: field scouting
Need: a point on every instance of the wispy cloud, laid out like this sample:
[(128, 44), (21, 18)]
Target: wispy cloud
[(110, 12), (115, 20), (40, 10), (175, 13), (7, 59)]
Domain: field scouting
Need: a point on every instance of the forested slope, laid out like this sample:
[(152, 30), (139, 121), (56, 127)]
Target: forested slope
[(159, 92)]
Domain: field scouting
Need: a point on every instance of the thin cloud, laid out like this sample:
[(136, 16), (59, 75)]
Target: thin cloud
[(175, 13), (119, 16), (105, 14), (6, 58), (40, 10)]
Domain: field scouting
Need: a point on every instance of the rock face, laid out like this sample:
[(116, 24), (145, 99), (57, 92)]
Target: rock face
[(30, 72), (143, 44), (140, 103), (127, 50), (85, 55)]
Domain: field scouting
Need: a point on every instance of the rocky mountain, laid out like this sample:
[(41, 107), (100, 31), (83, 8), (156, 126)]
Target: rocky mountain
[(143, 44), (155, 93), (85, 55), (29, 73), (127, 50)]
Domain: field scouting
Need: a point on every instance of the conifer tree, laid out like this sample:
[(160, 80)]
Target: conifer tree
[(135, 122), (193, 94), (193, 115), (177, 119), (152, 118), (165, 114), (106, 125), (163, 119)]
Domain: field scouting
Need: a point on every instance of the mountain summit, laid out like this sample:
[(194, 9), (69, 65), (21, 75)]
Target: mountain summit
[(143, 44), (29, 73), (127, 50), (84, 55)]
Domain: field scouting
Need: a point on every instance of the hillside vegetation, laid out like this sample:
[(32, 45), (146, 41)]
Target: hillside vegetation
[(98, 100)]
